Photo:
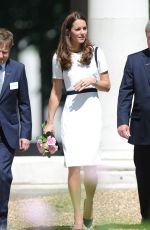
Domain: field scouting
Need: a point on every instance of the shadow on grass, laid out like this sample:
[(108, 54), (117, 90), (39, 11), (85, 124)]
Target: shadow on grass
[(122, 226), (49, 228)]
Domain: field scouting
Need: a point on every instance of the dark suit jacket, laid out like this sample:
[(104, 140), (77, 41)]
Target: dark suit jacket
[(134, 97), (15, 112)]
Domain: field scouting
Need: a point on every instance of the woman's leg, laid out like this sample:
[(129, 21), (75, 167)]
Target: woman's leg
[(90, 183), (74, 185)]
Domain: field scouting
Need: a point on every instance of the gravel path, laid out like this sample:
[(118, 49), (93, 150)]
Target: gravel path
[(113, 209)]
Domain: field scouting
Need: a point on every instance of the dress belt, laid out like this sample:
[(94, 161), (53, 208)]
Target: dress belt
[(71, 92)]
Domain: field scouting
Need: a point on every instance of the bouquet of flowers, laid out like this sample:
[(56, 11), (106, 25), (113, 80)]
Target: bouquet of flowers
[(47, 144)]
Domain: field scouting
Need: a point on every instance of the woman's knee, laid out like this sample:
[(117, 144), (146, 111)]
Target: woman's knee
[(74, 171)]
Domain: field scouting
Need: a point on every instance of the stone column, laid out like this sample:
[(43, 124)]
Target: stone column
[(31, 59), (118, 27)]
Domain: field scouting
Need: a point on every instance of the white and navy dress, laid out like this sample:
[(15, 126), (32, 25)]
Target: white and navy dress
[(81, 123)]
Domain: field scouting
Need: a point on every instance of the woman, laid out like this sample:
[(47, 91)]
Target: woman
[(75, 64)]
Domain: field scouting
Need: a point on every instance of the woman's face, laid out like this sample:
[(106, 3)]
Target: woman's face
[(78, 33)]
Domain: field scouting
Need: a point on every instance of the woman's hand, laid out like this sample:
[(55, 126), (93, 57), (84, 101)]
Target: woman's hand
[(49, 127), (84, 83)]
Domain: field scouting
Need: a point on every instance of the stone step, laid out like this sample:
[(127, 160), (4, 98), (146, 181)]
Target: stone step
[(43, 171)]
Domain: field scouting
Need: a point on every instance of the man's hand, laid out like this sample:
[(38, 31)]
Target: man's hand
[(124, 131), (24, 144)]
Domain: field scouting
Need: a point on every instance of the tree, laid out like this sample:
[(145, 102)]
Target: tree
[(36, 22)]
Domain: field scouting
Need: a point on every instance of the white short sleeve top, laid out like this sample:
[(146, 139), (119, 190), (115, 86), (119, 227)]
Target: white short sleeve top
[(79, 71)]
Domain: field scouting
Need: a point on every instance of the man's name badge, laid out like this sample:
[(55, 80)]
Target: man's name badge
[(13, 85)]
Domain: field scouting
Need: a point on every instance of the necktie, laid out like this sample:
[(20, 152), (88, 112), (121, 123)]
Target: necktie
[(1, 78)]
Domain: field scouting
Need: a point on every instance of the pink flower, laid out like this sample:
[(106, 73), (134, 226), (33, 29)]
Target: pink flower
[(47, 144), (40, 146), (51, 140), (52, 148)]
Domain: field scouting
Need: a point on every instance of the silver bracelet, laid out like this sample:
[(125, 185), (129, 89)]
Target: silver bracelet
[(96, 82)]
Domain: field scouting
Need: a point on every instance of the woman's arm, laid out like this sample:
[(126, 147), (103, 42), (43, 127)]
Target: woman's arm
[(103, 83), (53, 104)]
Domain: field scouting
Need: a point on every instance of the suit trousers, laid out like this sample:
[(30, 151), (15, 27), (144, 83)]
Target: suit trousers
[(142, 169), (6, 159)]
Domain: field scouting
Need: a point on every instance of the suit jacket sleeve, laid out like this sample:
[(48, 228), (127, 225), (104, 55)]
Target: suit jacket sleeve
[(126, 92), (24, 107)]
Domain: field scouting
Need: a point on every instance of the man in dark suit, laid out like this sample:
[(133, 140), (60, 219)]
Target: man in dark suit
[(15, 117), (133, 118)]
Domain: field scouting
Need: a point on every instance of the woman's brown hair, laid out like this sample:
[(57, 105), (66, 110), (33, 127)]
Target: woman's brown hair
[(63, 50)]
